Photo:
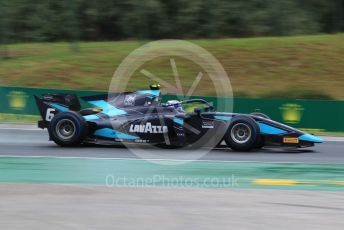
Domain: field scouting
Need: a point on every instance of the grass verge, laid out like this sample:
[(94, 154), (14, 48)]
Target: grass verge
[(18, 118), (258, 67)]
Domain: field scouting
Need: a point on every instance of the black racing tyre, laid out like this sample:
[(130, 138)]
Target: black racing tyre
[(68, 129), (260, 115), (242, 134)]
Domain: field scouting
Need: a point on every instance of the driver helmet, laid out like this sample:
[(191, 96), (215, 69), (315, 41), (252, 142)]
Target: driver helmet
[(175, 104)]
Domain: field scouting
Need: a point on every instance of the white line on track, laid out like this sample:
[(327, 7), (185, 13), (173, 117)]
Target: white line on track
[(26, 129), (332, 139), (176, 160)]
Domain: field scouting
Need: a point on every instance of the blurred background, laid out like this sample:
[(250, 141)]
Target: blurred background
[(285, 50), (270, 49), (285, 58), (71, 20)]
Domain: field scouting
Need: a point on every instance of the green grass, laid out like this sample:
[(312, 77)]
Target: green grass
[(258, 67), (18, 118)]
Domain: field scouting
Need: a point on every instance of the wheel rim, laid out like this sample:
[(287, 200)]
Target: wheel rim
[(241, 133), (65, 129)]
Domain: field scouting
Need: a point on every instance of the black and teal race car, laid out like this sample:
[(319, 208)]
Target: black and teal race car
[(140, 117)]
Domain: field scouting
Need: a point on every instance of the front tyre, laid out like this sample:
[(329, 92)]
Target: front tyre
[(68, 129), (242, 134)]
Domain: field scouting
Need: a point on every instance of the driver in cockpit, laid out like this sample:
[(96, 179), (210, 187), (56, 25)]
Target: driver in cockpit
[(175, 104)]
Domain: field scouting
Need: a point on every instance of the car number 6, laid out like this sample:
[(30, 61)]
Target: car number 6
[(50, 114)]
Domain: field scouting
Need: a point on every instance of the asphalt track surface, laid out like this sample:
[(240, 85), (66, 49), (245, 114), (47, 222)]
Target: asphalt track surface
[(29, 141), (46, 205)]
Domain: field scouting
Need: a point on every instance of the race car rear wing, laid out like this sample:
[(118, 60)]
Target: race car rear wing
[(51, 104)]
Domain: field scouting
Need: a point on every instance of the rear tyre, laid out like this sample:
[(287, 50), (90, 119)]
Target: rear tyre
[(242, 134), (261, 115), (68, 129)]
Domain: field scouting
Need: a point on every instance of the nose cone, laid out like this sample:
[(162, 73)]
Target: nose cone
[(310, 138)]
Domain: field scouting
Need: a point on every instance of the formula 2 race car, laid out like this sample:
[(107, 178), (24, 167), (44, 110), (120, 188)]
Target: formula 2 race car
[(141, 117)]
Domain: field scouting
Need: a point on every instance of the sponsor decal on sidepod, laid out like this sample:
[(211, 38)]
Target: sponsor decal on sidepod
[(148, 128)]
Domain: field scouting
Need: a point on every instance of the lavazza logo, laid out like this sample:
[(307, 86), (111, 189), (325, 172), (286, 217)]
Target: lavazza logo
[(148, 128)]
